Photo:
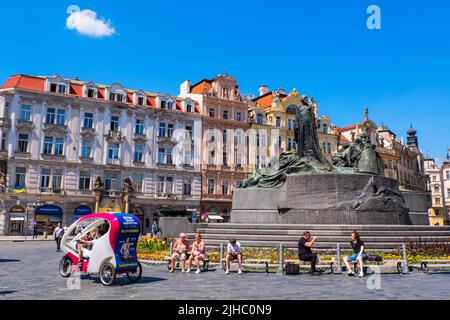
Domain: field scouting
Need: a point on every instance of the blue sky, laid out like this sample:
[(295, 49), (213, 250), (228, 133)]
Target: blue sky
[(322, 48)]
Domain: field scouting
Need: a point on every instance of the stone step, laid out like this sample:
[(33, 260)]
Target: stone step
[(215, 244), (324, 238), (365, 233), (310, 227)]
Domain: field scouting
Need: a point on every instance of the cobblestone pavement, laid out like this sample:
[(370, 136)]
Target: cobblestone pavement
[(29, 270)]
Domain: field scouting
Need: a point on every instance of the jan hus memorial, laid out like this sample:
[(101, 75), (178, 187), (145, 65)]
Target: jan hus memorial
[(303, 187)]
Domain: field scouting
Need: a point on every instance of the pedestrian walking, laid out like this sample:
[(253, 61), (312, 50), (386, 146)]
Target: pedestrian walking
[(35, 230), (155, 228), (58, 234)]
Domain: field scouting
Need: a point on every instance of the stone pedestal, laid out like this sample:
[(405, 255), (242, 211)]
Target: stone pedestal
[(323, 199)]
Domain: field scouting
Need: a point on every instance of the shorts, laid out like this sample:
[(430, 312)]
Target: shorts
[(177, 256), (234, 256), (201, 256), (355, 256), (86, 253)]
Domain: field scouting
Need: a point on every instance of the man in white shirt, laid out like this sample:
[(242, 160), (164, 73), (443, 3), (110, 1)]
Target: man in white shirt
[(233, 253)]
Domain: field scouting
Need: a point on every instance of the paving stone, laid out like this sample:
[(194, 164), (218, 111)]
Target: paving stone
[(29, 270)]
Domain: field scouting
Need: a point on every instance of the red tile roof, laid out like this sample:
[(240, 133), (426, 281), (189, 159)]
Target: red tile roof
[(25, 82), (353, 126), (76, 89)]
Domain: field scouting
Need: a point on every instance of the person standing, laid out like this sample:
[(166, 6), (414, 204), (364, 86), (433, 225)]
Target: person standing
[(359, 255), (58, 234), (155, 228), (207, 217), (35, 231), (194, 217), (304, 250)]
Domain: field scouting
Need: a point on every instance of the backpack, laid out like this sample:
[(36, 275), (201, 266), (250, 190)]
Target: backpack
[(374, 258), (292, 269)]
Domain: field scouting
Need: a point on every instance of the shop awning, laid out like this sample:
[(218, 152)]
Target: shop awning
[(215, 217), (17, 219), (50, 210), (81, 211)]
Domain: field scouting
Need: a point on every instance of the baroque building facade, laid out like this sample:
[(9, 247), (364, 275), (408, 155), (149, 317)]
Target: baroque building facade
[(403, 162), (274, 112), (438, 183), (224, 146), (71, 147)]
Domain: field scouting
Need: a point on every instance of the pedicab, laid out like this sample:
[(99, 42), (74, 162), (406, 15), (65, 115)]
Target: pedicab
[(113, 253)]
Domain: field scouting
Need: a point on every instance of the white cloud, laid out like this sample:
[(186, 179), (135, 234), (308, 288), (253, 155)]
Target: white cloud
[(87, 23)]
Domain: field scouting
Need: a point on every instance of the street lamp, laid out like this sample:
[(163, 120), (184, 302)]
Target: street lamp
[(30, 206)]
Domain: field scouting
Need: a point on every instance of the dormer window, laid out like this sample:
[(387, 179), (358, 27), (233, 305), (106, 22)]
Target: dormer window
[(90, 93), (170, 105), (58, 88), (116, 97), (90, 90), (163, 104), (189, 107), (57, 84), (116, 93), (139, 98)]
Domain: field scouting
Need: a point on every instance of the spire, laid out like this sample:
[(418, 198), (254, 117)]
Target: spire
[(366, 114)]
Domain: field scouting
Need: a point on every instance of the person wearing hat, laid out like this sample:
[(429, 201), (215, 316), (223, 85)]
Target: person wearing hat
[(180, 250)]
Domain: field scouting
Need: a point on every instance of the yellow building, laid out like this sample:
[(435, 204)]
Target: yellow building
[(272, 115)]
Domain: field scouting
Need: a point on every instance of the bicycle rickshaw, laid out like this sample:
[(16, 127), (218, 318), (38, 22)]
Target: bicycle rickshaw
[(113, 253)]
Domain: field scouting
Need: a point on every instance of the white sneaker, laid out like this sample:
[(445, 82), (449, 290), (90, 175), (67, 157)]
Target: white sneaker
[(227, 271), (188, 270), (198, 271), (351, 273), (239, 271), (361, 274)]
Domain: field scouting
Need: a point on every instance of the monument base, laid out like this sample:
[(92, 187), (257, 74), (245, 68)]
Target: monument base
[(324, 198)]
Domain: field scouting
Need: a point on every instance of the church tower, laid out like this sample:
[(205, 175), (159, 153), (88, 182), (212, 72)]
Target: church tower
[(412, 140)]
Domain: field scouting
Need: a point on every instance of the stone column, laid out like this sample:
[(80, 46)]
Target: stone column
[(97, 200), (126, 202)]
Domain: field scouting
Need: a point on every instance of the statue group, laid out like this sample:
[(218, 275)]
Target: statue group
[(360, 157), (302, 186)]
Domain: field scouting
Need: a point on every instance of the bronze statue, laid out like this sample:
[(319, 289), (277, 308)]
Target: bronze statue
[(360, 157), (127, 185), (306, 134), (98, 184)]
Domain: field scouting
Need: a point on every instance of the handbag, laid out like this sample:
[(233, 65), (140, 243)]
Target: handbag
[(292, 269)]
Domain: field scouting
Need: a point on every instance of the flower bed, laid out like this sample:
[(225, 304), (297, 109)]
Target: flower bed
[(152, 248)]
